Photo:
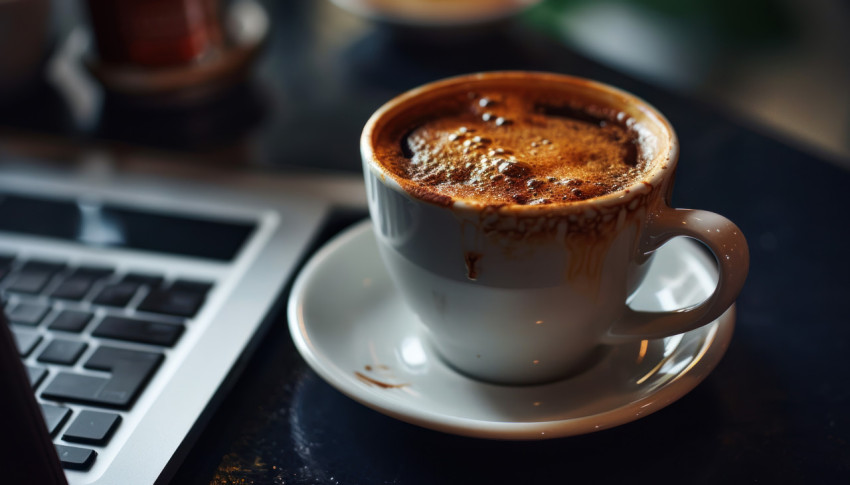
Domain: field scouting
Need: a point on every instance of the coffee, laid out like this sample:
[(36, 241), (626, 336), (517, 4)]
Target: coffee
[(513, 146)]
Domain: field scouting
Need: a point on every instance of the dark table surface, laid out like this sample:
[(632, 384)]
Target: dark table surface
[(776, 409)]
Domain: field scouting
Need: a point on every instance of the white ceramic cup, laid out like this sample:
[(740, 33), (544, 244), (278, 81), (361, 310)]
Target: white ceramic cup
[(524, 294)]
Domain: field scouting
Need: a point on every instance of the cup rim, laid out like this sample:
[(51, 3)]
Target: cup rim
[(661, 167)]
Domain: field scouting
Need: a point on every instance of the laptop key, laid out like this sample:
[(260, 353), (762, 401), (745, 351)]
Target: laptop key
[(74, 458), (26, 313), (36, 375), (183, 298), (117, 295), (51, 267), (191, 285), (6, 260), (138, 330), (31, 282), (33, 276), (26, 341), (150, 280), (93, 272), (54, 416), (62, 352), (92, 427), (131, 370), (5, 264), (73, 288), (71, 321)]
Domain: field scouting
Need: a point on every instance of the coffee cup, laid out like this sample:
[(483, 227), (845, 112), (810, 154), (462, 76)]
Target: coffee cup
[(517, 213)]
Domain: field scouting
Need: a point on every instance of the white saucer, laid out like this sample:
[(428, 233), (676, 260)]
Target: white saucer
[(352, 328)]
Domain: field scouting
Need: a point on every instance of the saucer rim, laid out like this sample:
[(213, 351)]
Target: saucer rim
[(712, 350)]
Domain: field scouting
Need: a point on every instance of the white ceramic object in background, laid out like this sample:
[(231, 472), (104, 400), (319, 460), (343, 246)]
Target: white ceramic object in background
[(531, 309), (350, 325), (428, 13)]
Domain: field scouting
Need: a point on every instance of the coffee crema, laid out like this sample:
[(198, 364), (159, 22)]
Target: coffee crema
[(513, 147)]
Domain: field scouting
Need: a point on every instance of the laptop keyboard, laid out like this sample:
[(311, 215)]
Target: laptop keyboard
[(92, 337)]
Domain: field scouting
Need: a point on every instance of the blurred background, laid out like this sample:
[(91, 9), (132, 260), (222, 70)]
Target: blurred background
[(265, 85), (779, 66), (784, 64)]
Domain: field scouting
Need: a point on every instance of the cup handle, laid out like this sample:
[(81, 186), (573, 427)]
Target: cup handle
[(730, 250)]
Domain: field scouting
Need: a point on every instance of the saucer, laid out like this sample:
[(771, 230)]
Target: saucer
[(350, 325)]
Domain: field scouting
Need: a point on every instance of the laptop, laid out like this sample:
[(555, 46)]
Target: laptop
[(134, 297)]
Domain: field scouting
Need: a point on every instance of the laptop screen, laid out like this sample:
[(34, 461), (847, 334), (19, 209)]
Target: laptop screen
[(99, 224)]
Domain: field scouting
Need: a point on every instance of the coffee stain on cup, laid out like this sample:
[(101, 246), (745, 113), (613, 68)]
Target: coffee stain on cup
[(586, 260), (471, 259), (589, 241)]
